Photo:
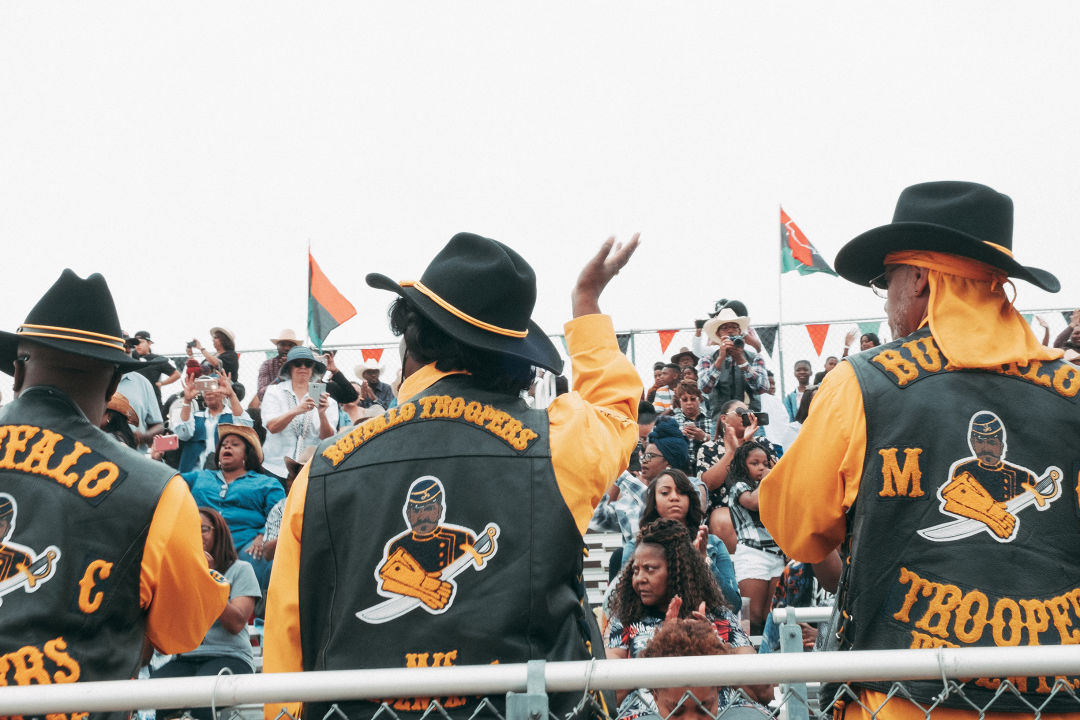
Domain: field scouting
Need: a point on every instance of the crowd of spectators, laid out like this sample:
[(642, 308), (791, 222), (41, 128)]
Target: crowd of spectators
[(694, 553)]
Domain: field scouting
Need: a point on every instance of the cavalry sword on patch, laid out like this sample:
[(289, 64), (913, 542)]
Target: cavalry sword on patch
[(39, 570), (396, 607), (1042, 493)]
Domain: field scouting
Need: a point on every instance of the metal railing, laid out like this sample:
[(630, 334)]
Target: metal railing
[(945, 664)]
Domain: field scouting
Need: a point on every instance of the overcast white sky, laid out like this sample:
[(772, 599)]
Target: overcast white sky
[(190, 151)]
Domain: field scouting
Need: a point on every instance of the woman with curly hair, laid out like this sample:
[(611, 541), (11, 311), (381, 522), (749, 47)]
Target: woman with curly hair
[(672, 496), (692, 638), (668, 578)]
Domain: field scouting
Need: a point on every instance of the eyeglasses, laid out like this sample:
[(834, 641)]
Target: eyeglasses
[(649, 456), (880, 285), (304, 363)]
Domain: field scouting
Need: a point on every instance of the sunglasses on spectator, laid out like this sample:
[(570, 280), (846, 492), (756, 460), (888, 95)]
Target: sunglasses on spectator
[(304, 363)]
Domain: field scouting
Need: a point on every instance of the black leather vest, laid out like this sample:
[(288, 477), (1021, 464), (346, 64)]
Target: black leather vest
[(82, 505), (949, 548), (436, 535)]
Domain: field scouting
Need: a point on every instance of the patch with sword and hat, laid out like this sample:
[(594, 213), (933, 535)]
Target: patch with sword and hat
[(419, 565), (21, 568), (985, 492)]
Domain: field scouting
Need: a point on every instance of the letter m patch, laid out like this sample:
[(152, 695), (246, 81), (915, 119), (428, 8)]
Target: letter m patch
[(897, 481)]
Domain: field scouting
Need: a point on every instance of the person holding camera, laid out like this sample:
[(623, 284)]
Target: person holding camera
[(696, 426), (732, 372), (296, 413), (223, 357), (196, 429)]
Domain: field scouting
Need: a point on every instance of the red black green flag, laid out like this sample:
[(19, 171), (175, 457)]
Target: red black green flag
[(327, 308), (796, 252)]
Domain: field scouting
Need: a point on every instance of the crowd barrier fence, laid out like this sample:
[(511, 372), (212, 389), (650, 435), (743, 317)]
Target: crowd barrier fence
[(526, 684)]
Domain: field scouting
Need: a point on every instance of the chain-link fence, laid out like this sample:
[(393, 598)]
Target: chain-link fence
[(1032, 680)]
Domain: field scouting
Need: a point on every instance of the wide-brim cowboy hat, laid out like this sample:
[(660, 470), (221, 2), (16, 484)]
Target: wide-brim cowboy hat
[(76, 316), (286, 335), (727, 315), (481, 293), (684, 352), (959, 218), (119, 403), (246, 432), (224, 331), (369, 364), (301, 353)]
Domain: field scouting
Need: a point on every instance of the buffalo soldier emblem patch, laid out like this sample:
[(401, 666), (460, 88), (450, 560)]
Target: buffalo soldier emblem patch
[(20, 567), (418, 566), (986, 492)]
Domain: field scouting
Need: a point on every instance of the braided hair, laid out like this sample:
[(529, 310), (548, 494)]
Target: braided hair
[(688, 575)]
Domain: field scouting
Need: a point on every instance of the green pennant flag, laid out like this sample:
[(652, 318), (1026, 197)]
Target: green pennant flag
[(871, 326), (796, 251), (624, 341)]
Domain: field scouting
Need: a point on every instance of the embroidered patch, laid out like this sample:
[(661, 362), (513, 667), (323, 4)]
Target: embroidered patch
[(20, 567), (418, 566), (986, 492)]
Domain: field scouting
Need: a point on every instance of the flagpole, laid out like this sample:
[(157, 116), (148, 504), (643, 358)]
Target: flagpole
[(780, 313)]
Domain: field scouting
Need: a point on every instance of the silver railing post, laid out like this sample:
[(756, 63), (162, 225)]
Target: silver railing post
[(795, 703), (533, 703)]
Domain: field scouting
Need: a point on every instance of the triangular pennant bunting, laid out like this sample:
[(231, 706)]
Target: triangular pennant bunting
[(817, 335), (665, 339), (869, 327), (372, 353), (624, 341), (767, 335)]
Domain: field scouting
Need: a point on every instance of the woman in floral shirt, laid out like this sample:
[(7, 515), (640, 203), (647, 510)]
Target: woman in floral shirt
[(667, 578)]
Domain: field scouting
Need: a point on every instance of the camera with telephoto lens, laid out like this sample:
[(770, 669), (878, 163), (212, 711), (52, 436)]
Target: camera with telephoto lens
[(737, 340)]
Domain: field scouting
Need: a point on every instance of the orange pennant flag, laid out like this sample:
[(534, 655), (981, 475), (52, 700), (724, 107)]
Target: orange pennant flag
[(665, 339), (372, 353), (817, 335)]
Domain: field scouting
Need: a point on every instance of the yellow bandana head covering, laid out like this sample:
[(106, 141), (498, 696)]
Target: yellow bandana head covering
[(970, 316)]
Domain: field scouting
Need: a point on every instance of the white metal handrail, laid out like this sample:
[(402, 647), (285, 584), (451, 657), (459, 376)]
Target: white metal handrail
[(806, 615), (229, 690)]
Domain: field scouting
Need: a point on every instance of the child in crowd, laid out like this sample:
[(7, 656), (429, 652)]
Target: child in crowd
[(758, 559)]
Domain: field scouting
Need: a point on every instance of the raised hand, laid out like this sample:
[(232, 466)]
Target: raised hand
[(597, 273)]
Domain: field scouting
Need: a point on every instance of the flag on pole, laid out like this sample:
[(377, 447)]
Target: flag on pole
[(796, 252), (327, 308)]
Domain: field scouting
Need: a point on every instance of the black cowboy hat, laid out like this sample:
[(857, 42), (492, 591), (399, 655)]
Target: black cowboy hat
[(481, 293), (960, 218), (75, 316)]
